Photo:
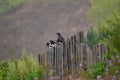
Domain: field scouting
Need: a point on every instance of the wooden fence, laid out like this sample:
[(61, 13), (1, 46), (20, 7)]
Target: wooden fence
[(66, 59)]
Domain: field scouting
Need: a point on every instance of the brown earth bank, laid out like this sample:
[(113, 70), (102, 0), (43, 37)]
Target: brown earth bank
[(31, 25)]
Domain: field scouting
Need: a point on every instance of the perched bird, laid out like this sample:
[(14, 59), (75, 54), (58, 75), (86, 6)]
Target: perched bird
[(60, 38), (51, 43)]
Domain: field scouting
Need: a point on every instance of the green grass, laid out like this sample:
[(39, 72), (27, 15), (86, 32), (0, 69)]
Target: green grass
[(6, 5), (2, 10), (15, 2), (63, 1)]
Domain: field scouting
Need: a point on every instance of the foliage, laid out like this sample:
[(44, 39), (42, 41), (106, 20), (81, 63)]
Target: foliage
[(92, 38), (3, 70), (102, 8), (112, 68), (26, 68), (109, 21), (96, 70), (108, 18)]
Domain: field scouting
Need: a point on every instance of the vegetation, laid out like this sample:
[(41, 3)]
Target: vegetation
[(3, 70), (55, 0), (91, 38), (26, 68), (6, 5), (108, 18), (96, 70), (9, 4)]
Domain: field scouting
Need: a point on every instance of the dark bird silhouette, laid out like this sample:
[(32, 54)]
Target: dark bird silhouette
[(48, 44), (60, 38)]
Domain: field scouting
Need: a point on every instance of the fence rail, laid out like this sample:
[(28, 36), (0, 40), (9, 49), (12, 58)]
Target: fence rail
[(65, 59)]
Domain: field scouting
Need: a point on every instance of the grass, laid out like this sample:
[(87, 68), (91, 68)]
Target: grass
[(63, 1), (25, 68), (6, 5), (15, 2)]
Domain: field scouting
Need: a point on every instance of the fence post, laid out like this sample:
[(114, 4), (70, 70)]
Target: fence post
[(72, 55), (65, 59), (47, 64), (77, 52), (61, 62), (68, 52)]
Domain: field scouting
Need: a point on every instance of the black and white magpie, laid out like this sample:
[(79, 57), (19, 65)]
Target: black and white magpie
[(51, 43)]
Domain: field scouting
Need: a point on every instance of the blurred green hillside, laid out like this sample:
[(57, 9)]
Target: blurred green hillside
[(9, 4), (6, 5)]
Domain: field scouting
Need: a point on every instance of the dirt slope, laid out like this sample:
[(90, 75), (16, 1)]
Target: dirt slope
[(31, 25)]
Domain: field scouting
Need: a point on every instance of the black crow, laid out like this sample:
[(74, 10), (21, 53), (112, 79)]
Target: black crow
[(60, 38)]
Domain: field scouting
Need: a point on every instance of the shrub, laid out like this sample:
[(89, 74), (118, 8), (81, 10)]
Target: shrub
[(96, 70), (26, 68), (91, 38), (3, 70)]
